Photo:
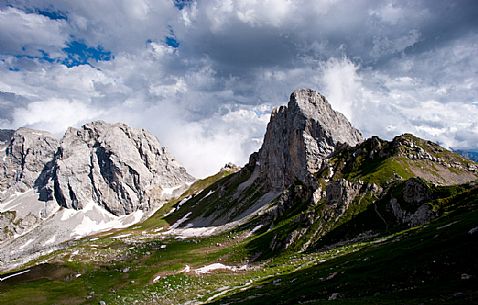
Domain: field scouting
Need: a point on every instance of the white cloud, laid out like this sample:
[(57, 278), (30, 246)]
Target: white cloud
[(342, 85), (54, 115), (209, 100), (25, 34)]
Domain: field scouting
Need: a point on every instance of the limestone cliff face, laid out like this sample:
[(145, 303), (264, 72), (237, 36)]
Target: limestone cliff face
[(300, 136), (121, 168), (26, 154)]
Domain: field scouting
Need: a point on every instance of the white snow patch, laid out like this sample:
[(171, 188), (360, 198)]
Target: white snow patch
[(94, 238), (75, 252), (94, 218), (170, 212), (12, 275), (209, 193), (78, 275), (181, 221), (189, 232), (254, 230), (218, 266), (194, 232), (186, 269), (182, 202), (157, 278)]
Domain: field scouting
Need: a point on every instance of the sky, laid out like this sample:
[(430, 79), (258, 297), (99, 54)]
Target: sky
[(203, 76)]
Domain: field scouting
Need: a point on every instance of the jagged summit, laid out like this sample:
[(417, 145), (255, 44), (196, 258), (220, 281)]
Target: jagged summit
[(121, 168), (315, 168), (97, 177), (300, 136)]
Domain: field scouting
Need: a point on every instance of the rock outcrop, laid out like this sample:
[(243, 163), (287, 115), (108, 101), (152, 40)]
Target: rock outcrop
[(27, 154), (121, 168), (299, 137)]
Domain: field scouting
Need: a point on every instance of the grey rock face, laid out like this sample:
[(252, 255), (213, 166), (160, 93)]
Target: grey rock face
[(341, 193), (415, 195), (121, 168), (300, 136), (10, 224), (26, 156)]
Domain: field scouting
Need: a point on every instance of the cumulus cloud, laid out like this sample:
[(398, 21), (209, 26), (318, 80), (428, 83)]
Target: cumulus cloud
[(27, 33), (391, 67), (54, 115)]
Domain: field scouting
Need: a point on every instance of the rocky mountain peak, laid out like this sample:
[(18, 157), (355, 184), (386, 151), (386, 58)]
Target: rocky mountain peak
[(300, 136), (26, 154), (121, 168)]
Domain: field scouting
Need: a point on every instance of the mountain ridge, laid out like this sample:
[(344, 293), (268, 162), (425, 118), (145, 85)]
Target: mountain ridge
[(302, 221), (322, 170), (98, 177)]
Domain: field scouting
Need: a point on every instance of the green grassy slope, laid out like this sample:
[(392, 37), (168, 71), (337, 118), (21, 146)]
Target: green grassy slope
[(424, 264), (362, 256), (431, 264)]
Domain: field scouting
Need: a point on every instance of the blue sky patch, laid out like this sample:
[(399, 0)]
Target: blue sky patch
[(43, 57), (171, 41), (78, 53), (50, 13), (54, 15), (180, 4)]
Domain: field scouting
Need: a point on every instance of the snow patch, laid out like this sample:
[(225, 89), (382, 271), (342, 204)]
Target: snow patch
[(170, 212), (94, 218), (157, 278), (263, 204), (181, 221), (209, 193), (182, 202), (12, 275), (254, 230), (219, 266)]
